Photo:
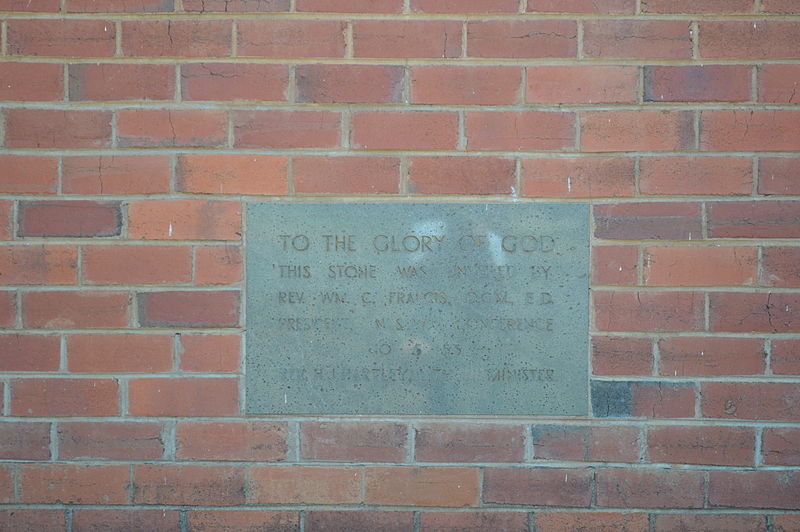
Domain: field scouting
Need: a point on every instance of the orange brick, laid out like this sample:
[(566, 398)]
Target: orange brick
[(236, 6), (61, 38), (137, 264), (779, 267), (522, 38), (786, 357), (581, 84), (38, 264), (359, 441), (441, 521), (346, 175), (402, 130), (249, 520), (286, 129), (558, 522), (349, 83), (119, 353), (724, 176), (172, 127), (700, 265), (754, 489), (648, 311), (176, 38), (8, 308), (72, 309), (695, 6), (641, 130), (643, 488), (232, 174), (462, 442), (621, 356), (218, 265), (24, 441), (119, 6), (64, 397), (732, 446), (519, 131), (538, 486), (751, 400), (726, 522), (781, 446), (51, 128), (216, 308), (711, 356), (754, 219), (583, 6), (461, 175), (779, 83), (638, 39), (234, 81), (74, 484), (116, 519), (465, 85), (189, 484), (638, 221), (209, 352), (304, 485), (584, 177), (51, 6), (465, 6), (22, 174), (185, 220), (253, 441), (121, 82), (615, 265), (29, 352), (700, 83), (31, 82), (69, 218), (407, 38), (183, 397), (421, 486), (110, 440), (749, 39), (350, 6), (115, 174), (290, 38)]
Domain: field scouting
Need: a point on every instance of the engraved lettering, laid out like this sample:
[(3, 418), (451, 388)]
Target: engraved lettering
[(406, 243), (298, 242), (293, 271), (290, 297), (340, 242), (352, 271)]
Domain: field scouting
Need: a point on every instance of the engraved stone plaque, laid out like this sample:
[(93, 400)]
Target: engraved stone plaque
[(418, 309)]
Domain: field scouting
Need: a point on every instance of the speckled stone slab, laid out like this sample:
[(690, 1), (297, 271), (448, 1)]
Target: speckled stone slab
[(417, 309)]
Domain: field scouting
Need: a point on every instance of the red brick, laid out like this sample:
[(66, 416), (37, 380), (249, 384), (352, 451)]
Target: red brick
[(465, 85), (754, 489), (641, 130), (74, 484), (346, 175), (189, 309), (137, 264), (210, 353), (607, 522), (8, 309), (710, 522), (780, 6), (349, 83), (185, 220), (621, 356), (290, 38), (242, 520), (560, 442), (115, 174), (473, 521), (779, 175), (461, 175), (189, 484), (236, 6), (231, 174), (304, 485), (742, 312), (358, 441), (780, 267), (407, 38), (51, 6), (465, 6), (643, 488), (749, 130), (791, 522), (215, 265), (583, 6), (701, 83), (69, 218), (538, 487), (350, 6), (286, 129), (648, 311), (31, 81), (334, 520), (233, 81), (754, 219), (139, 519), (22, 174), (724, 176), (110, 440), (615, 265), (751, 400), (780, 446), (61, 38), (64, 397), (640, 221), (749, 39), (402, 130), (6, 486), (732, 446), (24, 519), (119, 6), (24, 441), (254, 441), (461, 442), (522, 38), (121, 82), (640, 39), (29, 352), (422, 486), (172, 127), (176, 38), (515, 131), (75, 310), (697, 6), (585, 177), (614, 444), (119, 353), (54, 128), (778, 83), (662, 400), (38, 264), (183, 397), (711, 356), (786, 357), (700, 265), (580, 84)]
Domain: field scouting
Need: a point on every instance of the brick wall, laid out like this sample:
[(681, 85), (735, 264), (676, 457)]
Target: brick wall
[(135, 131)]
